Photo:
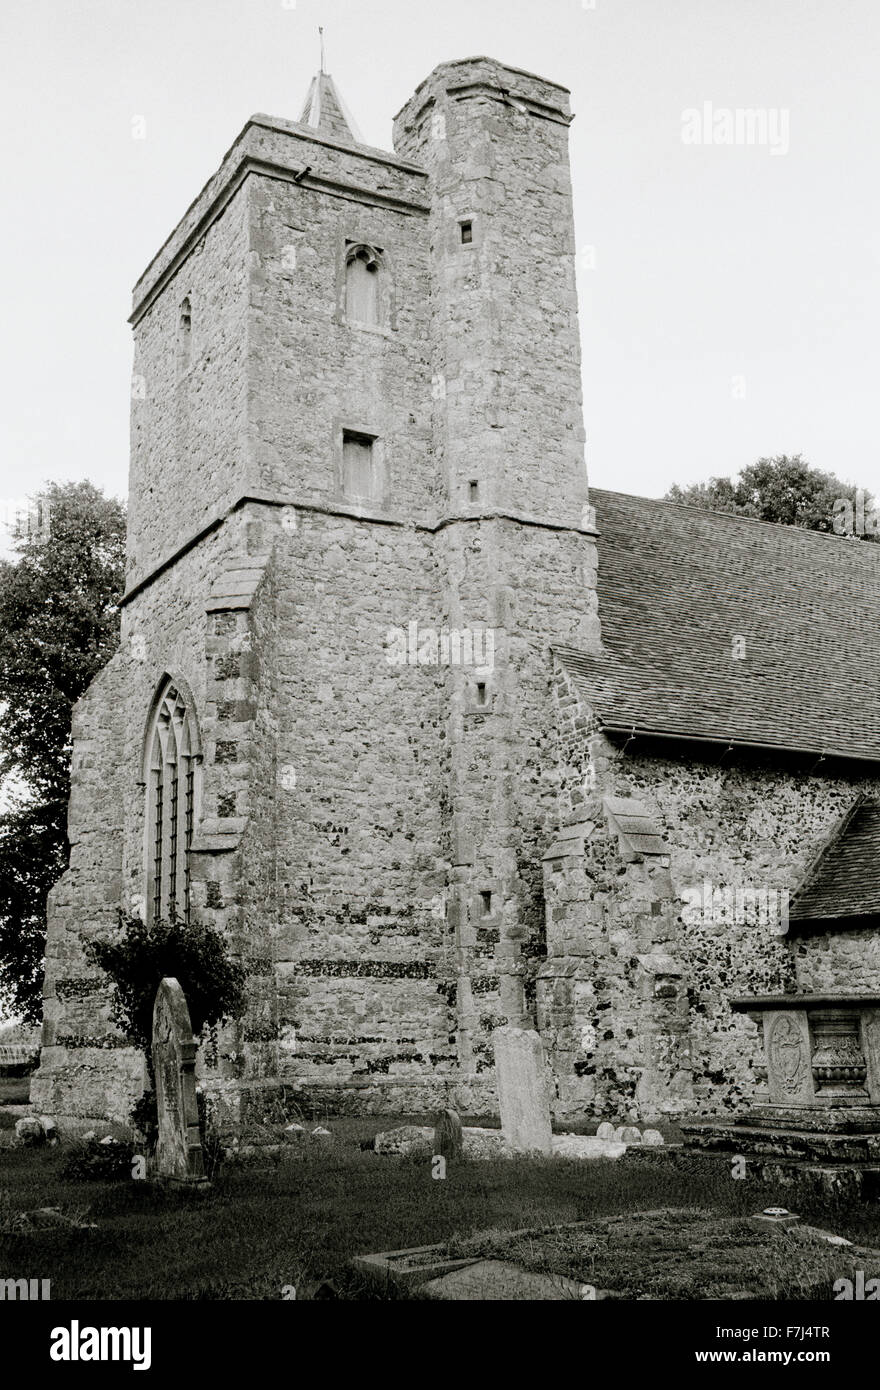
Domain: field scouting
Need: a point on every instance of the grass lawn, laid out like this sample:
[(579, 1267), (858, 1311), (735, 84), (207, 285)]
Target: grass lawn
[(676, 1253), (303, 1219), (14, 1091)]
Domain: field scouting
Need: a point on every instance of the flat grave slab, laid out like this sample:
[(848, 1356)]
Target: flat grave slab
[(409, 1267), (495, 1280)]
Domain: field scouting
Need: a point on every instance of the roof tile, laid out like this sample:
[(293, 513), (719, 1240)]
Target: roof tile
[(678, 584)]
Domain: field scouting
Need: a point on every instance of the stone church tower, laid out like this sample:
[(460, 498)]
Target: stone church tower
[(358, 526)]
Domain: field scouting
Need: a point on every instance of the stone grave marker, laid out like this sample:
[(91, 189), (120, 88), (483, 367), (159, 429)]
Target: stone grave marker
[(448, 1140), (523, 1093), (179, 1150)]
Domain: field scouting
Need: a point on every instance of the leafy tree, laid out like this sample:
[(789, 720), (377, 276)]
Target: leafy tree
[(59, 624), (784, 489)]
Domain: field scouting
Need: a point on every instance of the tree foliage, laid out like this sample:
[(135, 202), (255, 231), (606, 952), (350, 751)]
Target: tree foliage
[(59, 625), (784, 489)]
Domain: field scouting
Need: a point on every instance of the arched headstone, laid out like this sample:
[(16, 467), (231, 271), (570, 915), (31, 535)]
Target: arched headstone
[(179, 1150)]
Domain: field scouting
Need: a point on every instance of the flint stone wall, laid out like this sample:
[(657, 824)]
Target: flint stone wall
[(633, 998)]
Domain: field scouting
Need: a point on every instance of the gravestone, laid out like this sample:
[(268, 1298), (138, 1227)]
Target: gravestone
[(448, 1139), (523, 1093), (628, 1134), (179, 1149)]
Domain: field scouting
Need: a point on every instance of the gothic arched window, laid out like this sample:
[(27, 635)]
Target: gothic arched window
[(173, 756), (363, 288)]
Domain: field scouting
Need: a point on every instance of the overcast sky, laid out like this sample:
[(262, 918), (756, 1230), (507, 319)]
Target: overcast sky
[(732, 306)]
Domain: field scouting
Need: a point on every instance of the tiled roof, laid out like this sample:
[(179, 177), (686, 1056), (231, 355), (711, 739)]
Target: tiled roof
[(678, 584), (845, 880), (638, 828)]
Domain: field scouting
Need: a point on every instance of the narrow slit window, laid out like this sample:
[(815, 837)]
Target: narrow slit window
[(467, 233), (486, 904), (474, 491), (358, 467), (481, 692), (184, 336)]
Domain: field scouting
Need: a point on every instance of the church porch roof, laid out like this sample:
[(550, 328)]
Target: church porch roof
[(844, 882)]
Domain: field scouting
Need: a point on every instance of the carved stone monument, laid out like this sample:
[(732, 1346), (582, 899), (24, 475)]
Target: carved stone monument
[(822, 1060), (787, 1053), (821, 1115), (179, 1150)]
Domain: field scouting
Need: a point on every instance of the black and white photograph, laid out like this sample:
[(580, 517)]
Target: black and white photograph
[(439, 680)]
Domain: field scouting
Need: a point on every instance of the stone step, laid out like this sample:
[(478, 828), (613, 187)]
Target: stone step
[(837, 1178), (783, 1143)]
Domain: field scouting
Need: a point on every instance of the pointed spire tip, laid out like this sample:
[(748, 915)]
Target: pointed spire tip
[(325, 111)]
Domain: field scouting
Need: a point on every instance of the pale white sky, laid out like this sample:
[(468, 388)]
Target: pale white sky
[(711, 263)]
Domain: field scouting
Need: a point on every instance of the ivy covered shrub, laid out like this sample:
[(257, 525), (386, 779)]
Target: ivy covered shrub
[(93, 1159), (137, 957), (140, 954), (145, 1119)]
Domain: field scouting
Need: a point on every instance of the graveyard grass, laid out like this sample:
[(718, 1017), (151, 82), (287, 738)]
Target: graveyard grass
[(14, 1091), (296, 1223)]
